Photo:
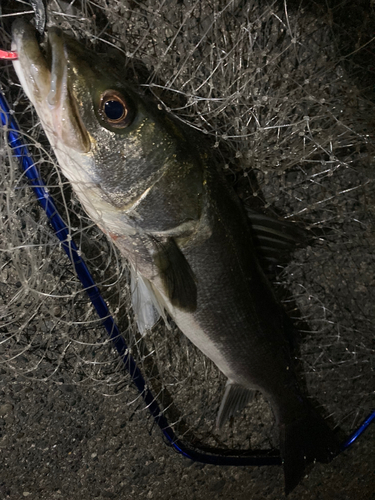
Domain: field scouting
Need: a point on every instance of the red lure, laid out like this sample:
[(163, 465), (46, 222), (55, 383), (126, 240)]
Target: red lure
[(7, 54)]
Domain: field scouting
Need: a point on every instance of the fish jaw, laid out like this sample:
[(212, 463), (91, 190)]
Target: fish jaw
[(48, 87)]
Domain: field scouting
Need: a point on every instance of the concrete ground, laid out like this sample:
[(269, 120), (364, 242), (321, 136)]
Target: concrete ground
[(62, 442)]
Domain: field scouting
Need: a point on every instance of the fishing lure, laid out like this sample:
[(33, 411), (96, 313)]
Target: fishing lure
[(8, 54)]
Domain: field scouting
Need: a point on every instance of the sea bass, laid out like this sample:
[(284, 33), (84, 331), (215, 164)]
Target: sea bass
[(150, 183)]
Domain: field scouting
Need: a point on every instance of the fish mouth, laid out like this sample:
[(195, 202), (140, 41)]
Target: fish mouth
[(47, 83)]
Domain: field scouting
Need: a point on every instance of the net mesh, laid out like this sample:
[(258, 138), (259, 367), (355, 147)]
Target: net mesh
[(288, 106)]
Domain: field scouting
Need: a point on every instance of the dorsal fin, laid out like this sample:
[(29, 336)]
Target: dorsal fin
[(275, 240)]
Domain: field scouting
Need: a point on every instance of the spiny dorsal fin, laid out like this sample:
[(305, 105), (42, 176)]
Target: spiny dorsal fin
[(235, 398), (176, 274)]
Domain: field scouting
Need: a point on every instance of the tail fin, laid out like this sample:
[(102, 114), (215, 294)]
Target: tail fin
[(302, 442)]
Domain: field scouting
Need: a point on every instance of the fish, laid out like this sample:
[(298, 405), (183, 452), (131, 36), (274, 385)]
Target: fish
[(151, 184)]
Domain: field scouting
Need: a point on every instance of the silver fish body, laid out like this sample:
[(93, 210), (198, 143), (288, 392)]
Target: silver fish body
[(151, 185)]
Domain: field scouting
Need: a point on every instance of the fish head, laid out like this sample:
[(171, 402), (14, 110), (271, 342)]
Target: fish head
[(111, 143)]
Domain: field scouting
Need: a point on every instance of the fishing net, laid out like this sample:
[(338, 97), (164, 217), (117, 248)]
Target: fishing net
[(282, 91)]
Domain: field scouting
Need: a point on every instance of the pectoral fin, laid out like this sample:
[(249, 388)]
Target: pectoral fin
[(176, 274), (235, 398)]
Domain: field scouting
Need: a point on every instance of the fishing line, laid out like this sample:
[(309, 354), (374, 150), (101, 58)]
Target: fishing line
[(21, 152)]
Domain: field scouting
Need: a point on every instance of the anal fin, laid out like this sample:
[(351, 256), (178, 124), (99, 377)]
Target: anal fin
[(235, 398)]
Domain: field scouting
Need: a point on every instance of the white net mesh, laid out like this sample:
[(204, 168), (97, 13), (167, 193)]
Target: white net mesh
[(266, 80)]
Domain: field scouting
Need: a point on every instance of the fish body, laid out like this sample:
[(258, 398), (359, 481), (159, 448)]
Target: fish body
[(151, 185)]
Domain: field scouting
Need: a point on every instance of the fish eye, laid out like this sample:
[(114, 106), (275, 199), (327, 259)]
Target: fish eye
[(115, 110)]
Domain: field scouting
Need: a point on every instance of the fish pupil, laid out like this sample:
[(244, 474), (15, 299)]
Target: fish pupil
[(114, 110)]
